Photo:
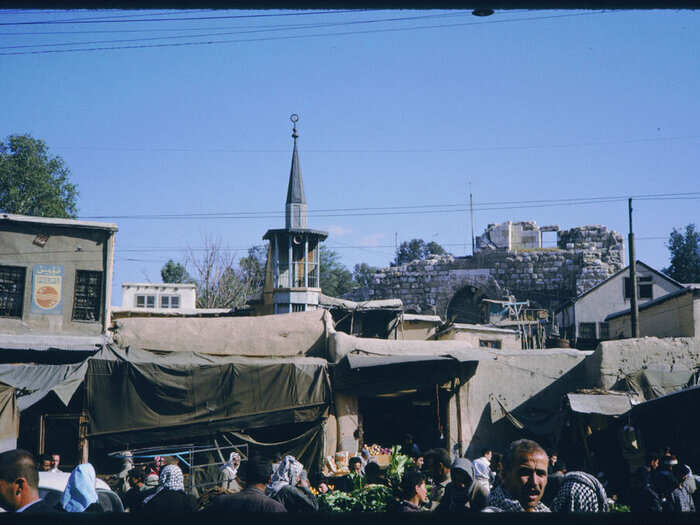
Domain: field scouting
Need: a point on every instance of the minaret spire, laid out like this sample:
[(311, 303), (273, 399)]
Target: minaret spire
[(295, 216)]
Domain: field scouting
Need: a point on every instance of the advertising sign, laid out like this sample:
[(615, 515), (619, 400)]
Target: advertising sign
[(47, 289)]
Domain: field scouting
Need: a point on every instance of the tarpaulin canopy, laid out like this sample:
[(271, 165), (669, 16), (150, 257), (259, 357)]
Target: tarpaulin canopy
[(148, 396), (367, 374), (607, 404), (9, 418), (657, 381), (34, 382), (303, 333)]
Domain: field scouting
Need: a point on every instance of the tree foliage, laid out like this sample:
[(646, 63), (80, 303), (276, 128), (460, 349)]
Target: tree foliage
[(220, 282), (336, 279), (685, 255), (362, 274), (32, 182), (416, 249), (253, 267), (173, 272)]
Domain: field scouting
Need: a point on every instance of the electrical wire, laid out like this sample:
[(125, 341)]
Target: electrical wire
[(294, 37)]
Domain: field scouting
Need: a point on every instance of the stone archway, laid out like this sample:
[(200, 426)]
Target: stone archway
[(465, 305)]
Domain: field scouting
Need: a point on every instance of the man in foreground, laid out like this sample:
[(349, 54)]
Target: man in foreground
[(19, 483), (251, 499), (524, 479)]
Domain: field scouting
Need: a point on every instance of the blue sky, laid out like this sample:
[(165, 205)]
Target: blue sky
[(526, 105)]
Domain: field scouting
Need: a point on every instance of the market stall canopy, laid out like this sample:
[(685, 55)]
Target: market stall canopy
[(137, 396), (657, 381), (607, 404), (341, 344), (33, 382), (296, 334)]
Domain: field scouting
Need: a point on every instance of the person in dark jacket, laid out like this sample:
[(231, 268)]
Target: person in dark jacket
[(19, 483), (679, 500), (258, 472), (289, 485), (414, 492), (463, 493), (170, 497)]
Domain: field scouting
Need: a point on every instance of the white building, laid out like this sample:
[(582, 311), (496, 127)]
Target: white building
[(584, 318), (159, 297)]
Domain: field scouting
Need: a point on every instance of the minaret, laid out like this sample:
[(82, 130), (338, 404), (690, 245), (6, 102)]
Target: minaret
[(292, 281)]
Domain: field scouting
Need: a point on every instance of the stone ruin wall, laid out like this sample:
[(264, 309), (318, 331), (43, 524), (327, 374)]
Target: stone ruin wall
[(584, 257)]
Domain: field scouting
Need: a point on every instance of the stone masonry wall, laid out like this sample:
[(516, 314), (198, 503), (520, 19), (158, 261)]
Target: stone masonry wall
[(585, 256)]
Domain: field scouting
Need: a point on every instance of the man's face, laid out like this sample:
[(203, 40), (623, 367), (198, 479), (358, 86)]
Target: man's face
[(527, 478), (654, 464), (45, 465), (552, 459), (419, 462), (422, 492), (488, 455), (55, 461), (357, 467), (9, 498)]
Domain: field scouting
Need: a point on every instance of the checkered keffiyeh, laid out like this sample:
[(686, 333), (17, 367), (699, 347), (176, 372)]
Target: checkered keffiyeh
[(501, 500), (580, 492)]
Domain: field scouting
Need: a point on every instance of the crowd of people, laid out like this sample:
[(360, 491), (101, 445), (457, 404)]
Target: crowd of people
[(525, 478)]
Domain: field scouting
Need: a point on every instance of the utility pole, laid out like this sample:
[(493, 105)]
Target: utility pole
[(471, 213), (634, 309)]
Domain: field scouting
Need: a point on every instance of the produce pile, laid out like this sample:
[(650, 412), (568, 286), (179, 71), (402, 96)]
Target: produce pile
[(369, 498), (376, 450)]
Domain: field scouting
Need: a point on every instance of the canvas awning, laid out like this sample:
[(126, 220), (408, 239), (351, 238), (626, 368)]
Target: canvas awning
[(368, 374), (605, 404), (138, 396)]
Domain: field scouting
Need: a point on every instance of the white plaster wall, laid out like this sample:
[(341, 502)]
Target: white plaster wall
[(472, 337), (187, 293), (346, 413), (677, 317), (610, 297)]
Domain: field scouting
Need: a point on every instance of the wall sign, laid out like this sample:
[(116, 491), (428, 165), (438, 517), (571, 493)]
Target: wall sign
[(47, 289)]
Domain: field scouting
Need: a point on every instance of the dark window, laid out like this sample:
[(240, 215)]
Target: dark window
[(644, 287), (165, 301), (150, 301), (489, 343), (140, 301), (175, 301), (298, 308), (586, 331), (88, 296), (12, 290), (604, 331)]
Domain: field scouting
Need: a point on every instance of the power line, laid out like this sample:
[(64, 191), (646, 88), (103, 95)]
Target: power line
[(410, 209), (294, 37), (404, 150), (258, 30), (276, 26), (227, 17)]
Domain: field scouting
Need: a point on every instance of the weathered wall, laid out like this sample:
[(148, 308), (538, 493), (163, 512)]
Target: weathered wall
[(68, 249), (585, 256), (509, 339), (613, 360), (676, 317)]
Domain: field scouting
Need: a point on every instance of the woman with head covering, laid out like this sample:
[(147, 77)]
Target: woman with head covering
[(170, 496), (80, 494), (229, 473), (290, 487), (580, 492)]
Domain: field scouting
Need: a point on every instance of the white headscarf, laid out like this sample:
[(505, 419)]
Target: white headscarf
[(288, 473), (231, 466)]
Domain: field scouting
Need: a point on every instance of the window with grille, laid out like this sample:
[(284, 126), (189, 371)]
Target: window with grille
[(298, 308), (586, 331), (88, 296), (169, 301), (145, 301), (604, 331), (12, 290), (490, 343)]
